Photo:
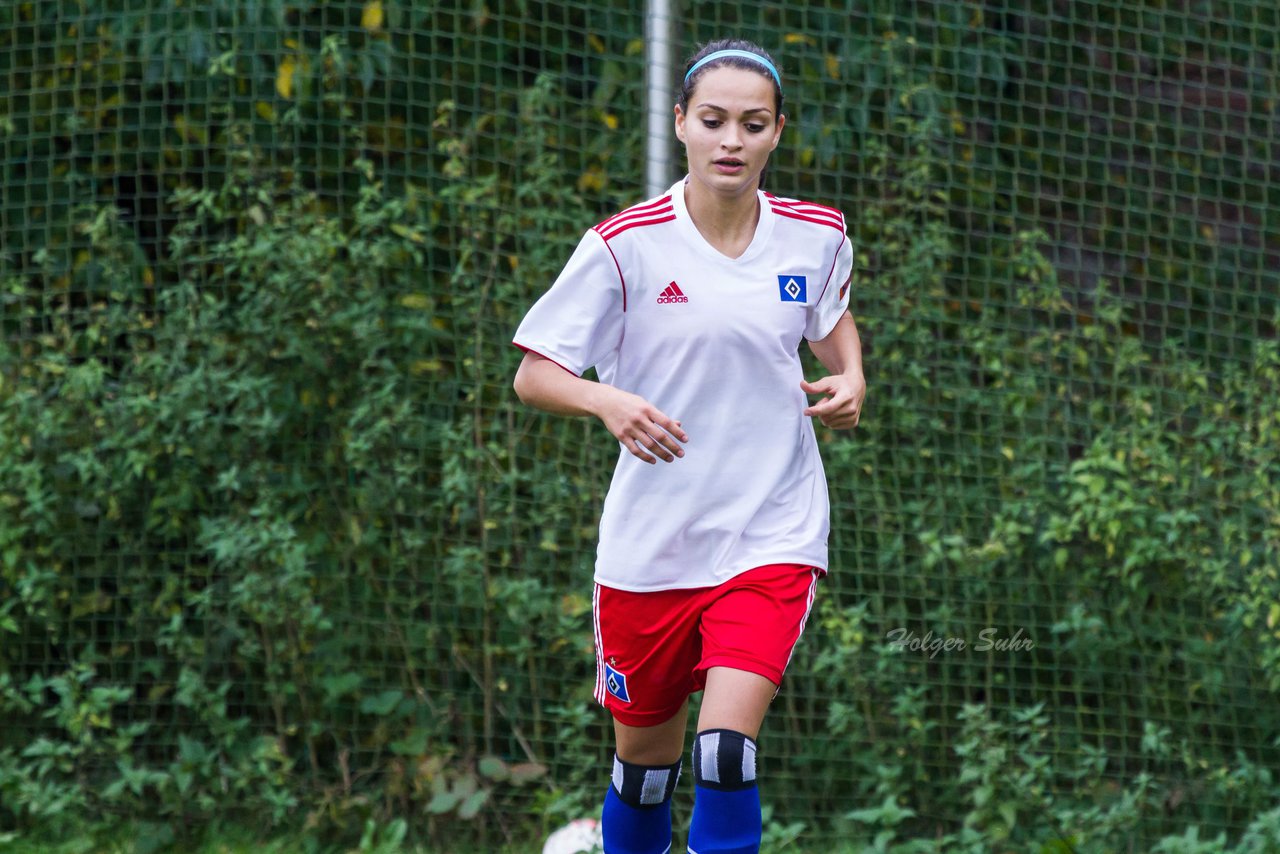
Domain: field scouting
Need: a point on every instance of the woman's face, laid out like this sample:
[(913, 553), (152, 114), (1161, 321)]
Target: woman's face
[(730, 129)]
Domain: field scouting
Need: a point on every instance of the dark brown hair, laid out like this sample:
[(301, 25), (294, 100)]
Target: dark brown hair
[(690, 82)]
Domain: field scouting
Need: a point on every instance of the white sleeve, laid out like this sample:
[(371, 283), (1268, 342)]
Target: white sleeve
[(577, 323), (835, 296)]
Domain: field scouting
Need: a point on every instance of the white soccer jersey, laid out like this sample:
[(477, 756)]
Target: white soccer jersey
[(713, 342)]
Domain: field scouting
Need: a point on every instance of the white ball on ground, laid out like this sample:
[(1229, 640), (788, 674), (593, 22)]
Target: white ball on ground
[(580, 836)]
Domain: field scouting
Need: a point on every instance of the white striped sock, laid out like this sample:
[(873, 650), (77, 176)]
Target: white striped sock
[(710, 749)]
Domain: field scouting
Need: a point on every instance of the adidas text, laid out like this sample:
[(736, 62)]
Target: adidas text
[(672, 294)]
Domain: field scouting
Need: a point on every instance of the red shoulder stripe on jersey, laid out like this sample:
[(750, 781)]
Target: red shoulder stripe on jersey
[(618, 223), (800, 204), (817, 211), (807, 211), (793, 215), (635, 209), (653, 219)]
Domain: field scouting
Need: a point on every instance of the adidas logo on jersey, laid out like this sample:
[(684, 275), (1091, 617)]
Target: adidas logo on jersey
[(672, 294)]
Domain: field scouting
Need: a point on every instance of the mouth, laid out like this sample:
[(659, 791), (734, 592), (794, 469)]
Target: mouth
[(730, 164)]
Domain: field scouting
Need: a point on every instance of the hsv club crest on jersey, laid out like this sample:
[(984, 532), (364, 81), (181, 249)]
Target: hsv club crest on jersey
[(792, 288)]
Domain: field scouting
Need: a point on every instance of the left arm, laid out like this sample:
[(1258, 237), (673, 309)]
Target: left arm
[(844, 386)]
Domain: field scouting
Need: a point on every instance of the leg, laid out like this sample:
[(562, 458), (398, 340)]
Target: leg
[(735, 699), (647, 648), (726, 812), (662, 744), (748, 636), (646, 767)]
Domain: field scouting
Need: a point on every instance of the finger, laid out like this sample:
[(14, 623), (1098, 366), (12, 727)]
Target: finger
[(667, 441), (822, 386), (849, 421), (655, 447), (828, 407), (671, 426), (636, 451), (840, 417)]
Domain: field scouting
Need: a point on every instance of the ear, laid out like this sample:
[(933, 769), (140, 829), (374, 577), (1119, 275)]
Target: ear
[(680, 124)]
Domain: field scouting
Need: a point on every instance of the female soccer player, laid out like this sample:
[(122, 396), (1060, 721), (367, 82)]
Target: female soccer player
[(691, 308)]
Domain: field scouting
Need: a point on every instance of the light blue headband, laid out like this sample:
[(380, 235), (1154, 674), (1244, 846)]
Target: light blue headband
[(740, 54)]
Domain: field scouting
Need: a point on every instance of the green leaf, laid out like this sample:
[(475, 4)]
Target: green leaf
[(381, 704), (443, 802), (339, 685), (413, 744), (493, 768), (470, 808), (527, 772)]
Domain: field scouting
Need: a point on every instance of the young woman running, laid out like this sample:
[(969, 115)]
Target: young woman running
[(691, 307)]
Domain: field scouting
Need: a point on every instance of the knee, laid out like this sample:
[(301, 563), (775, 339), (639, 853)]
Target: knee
[(724, 759), (652, 754), (641, 786)]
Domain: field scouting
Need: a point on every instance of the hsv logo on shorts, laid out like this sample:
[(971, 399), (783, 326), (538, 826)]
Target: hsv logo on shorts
[(791, 288), (672, 294), (616, 682)]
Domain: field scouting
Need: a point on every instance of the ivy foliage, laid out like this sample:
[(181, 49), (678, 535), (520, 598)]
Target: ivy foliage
[(277, 542)]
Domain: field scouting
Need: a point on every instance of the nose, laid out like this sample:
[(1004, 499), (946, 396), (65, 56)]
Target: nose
[(731, 141)]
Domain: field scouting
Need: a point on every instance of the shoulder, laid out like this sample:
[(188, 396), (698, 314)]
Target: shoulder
[(816, 215), (654, 211)]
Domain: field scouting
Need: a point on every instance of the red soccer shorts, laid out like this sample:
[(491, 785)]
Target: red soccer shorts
[(654, 649)]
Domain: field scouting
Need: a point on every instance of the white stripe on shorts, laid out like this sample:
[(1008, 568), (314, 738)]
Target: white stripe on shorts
[(813, 593), (595, 619)]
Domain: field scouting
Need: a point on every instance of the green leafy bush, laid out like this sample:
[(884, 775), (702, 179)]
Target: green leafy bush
[(278, 545)]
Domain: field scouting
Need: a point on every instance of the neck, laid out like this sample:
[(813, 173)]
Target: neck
[(727, 222)]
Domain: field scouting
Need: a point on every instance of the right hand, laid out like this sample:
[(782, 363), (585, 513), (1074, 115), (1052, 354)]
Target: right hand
[(641, 427)]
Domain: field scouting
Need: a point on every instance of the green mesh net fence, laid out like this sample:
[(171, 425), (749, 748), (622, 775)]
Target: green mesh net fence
[(278, 544)]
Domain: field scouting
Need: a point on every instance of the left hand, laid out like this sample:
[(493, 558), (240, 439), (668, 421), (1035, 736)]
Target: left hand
[(842, 406)]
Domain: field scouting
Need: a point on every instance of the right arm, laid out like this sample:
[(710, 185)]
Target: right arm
[(642, 428)]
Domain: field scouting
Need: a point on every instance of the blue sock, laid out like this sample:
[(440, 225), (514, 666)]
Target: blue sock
[(725, 822), (637, 808), (726, 808)]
